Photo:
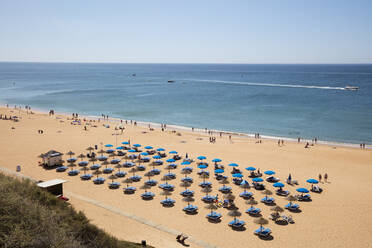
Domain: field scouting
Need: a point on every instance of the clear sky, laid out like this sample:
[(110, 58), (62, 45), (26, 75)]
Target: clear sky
[(200, 31)]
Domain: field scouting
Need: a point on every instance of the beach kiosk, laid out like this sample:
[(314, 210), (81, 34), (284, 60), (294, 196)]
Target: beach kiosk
[(53, 186), (52, 158)]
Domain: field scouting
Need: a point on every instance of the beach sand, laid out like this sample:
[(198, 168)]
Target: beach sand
[(339, 217)]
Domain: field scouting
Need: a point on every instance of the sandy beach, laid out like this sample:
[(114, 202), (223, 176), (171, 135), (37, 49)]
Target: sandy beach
[(340, 216)]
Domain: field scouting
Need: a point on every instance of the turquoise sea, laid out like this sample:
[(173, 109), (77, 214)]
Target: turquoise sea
[(275, 100)]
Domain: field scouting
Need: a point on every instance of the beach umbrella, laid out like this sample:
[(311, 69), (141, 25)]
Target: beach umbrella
[(233, 165), (244, 184), (156, 157), (234, 213), (202, 166), (112, 177), (267, 192), (108, 145), (278, 185), (302, 190), (70, 153), (105, 163), (269, 172), (125, 143), (144, 153), (81, 156), (173, 152), (148, 147), (132, 150), (85, 169), (171, 160), (291, 198), (101, 151), (137, 145), (237, 175), (250, 168), (185, 163), (261, 221), (119, 148), (160, 149), (219, 171), (257, 180), (251, 202), (90, 149), (229, 197), (277, 209), (97, 173), (93, 159), (202, 157), (216, 160), (127, 181), (312, 181)]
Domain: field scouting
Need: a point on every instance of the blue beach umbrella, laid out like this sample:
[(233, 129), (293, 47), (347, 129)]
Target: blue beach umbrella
[(257, 180), (202, 157), (144, 153), (313, 181), (119, 148), (237, 175), (171, 160), (173, 152), (110, 151), (156, 157), (202, 166), (302, 190), (250, 168), (219, 171), (148, 147), (132, 150), (216, 160), (278, 185), (160, 149), (233, 165), (185, 163), (108, 145), (269, 172), (125, 143), (244, 183), (137, 145)]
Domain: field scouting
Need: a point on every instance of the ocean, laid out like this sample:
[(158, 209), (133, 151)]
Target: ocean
[(275, 100)]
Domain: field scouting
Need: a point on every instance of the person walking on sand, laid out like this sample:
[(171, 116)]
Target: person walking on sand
[(325, 177), (278, 142), (282, 142), (320, 177)]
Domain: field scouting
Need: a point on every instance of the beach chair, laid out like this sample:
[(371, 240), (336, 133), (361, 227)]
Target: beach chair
[(303, 197), (246, 195), (292, 207), (282, 192), (253, 211), (274, 216), (316, 189), (272, 179), (258, 186), (168, 202), (263, 232), (213, 216), (99, 180), (288, 219), (147, 196), (237, 224), (86, 176), (268, 200), (190, 209), (114, 185), (129, 190)]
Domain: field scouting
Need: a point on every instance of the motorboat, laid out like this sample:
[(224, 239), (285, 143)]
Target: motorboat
[(348, 87)]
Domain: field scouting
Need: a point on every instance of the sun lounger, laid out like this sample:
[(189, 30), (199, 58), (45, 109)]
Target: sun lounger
[(292, 207), (237, 223), (120, 174), (268, 200), (288, 219), (246, 195), (253, 211), (168, 202), (205, 185), (99, 180), (86, 176), (190, 209), (282, 192), (302, 197), (263, 232), (225, 189), (114, 185), (135, 178), (129, 190), (316, 189), (272, 179), (209, 199), (73, 172), (214, 216), (187, 193), (61, 169), (147, 196)]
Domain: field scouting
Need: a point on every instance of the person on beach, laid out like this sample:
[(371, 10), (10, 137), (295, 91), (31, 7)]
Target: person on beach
[(325, 177), (298, 140), (320, 177), (282, 142), (307, 145), (278, 142)]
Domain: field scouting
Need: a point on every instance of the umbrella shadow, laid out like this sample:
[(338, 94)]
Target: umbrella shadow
[(295, 211), (206, 190), (214, 221), (185, 184), (188, 199), (192, 213), (255, 215), (266, 238), (239, 229)]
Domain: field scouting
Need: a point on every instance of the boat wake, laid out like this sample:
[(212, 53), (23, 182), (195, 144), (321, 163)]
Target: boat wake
[(268, 84)]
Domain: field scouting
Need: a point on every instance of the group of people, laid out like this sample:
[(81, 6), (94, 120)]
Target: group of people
[(325, 177), (40, 131), (363, 145), (75, 115), (105, 117), (212, 139), (51, 112), (280, 142)]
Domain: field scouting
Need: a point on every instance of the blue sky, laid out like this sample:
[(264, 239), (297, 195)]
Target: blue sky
[(262, 31)]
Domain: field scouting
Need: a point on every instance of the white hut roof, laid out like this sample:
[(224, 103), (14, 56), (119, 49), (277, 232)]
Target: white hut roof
[(51, 153), (49, 183)]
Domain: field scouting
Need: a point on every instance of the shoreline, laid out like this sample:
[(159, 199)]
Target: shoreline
[(201, 130)]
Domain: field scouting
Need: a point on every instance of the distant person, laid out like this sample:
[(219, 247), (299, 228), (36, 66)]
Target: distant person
[(298, 140), (278, 142), (325, 177), (320, 177)]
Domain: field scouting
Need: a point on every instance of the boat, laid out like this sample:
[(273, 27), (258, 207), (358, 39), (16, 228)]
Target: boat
[(171, 81), (351, 87)]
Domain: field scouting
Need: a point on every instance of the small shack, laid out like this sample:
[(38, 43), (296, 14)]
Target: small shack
[(52, 158), (53, 186)]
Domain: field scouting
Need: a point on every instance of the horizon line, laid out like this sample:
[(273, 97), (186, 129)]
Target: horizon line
[(206, 63)]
